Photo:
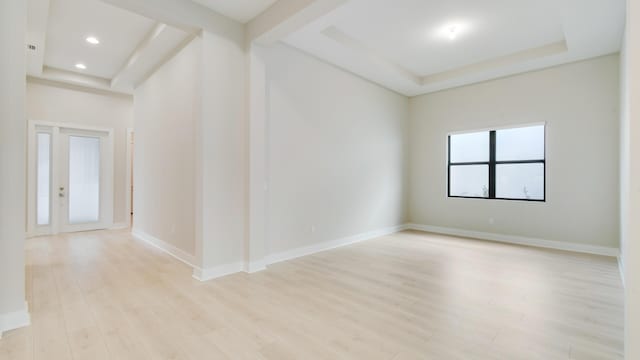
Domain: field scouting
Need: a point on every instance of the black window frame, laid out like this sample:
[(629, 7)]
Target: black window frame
[(493, 164)]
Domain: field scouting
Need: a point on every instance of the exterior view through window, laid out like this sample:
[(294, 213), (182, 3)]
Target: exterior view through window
[(505, 164)]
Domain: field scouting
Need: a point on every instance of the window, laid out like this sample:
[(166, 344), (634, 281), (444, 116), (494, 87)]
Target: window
[(84, 179), (505, 164), (43, 171)]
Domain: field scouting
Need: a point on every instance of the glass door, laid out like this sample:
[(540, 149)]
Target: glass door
[(43, 178), (71, 179), (80, 192)]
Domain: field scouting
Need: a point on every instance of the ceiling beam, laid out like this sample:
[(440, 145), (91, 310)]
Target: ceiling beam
[(184, 14), (160, 44), (285, 17), (82, 81), (150, 71), (83, 88), (119, 79)]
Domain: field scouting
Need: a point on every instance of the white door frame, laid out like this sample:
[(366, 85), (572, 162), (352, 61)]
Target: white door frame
[(129, 188), (107, 177)]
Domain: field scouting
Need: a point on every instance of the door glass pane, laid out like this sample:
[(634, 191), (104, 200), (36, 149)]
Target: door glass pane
[(470, 147), (525, 143), (469, 180), (84, 179), (520, 181), (43, 178)]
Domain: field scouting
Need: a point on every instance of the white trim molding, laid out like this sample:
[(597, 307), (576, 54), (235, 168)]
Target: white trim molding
[(119, 226), (128, 182), (261, 265), (15, 320), (165, 247), (332, 244), (206, 274), (217, 271), (255, 266), (519, 240), (189, 259)]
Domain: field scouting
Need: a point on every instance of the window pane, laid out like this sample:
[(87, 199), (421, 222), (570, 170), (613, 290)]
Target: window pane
[(520, 181), (470, 147), (43, 176), (469, 180), (525, 143), (84, 179)]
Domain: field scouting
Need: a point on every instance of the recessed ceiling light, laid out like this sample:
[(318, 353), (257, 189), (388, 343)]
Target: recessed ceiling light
[(81, 66), (93, 40), (452, 30)]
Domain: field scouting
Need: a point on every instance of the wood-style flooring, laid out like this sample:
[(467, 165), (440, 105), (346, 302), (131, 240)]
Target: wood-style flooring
[(411, 295)]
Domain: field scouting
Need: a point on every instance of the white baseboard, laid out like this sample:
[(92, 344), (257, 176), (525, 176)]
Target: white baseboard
[(217, 271), (198, 272), (328, 245), (15, 319), (519, 240), (255, 266), (119, 226), (621, 268), (165, 247)]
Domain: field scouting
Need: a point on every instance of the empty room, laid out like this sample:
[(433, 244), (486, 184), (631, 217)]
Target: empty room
[(320, 179)]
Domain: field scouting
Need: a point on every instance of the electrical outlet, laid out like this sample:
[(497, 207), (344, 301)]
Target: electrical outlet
[(313, 228), (491, 221)]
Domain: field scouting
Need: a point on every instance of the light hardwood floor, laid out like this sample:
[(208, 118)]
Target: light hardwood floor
[(104, 295)]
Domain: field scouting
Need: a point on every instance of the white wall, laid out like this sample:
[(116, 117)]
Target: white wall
[(12, 164), (166, 111), (221, 170), (337, 150), (190, 154), (631, 179), (624, 152), (59, 103), (580, 104)]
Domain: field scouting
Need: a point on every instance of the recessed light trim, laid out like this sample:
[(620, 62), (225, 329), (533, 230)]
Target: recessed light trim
[(452, 30), (92, 40), (81, 66)]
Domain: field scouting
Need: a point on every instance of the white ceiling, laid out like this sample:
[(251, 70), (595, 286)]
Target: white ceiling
[(396, 43), (239, 10), (399, 44), (71, 21), (130, 45)]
